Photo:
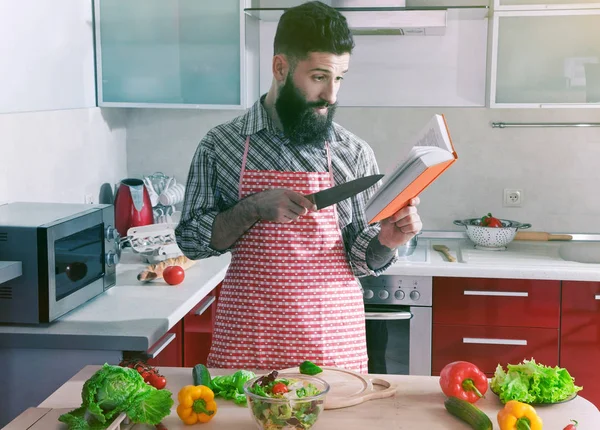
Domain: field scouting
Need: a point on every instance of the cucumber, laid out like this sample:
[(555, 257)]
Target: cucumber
[(469, 413), (201, 375)]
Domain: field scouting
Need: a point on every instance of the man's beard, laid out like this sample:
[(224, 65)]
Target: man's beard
[(301, 124)]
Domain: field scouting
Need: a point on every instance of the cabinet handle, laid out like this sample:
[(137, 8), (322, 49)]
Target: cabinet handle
[(204, 305), (161, 344), (496, 293), (487, 341), (597, 296)]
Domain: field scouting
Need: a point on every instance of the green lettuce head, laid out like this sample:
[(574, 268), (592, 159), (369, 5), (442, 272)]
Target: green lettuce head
[(113, 390)]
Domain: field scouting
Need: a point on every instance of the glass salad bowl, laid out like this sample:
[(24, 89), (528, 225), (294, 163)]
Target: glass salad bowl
[(288, 402)]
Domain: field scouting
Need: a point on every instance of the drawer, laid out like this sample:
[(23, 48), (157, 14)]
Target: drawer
[(196, 348), (201, 318), (496, 302), (486, 347), (168, 351)]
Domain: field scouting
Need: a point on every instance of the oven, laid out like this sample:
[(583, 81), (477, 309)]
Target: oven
[(398, 320)]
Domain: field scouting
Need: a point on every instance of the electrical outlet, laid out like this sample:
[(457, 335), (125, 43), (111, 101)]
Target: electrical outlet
[(88, 199), (513, 197)]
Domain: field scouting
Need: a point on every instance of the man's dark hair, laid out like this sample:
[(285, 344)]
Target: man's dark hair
[(312, 27)]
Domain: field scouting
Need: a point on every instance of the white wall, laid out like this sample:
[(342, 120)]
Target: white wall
[(60, 156), (556, 167)]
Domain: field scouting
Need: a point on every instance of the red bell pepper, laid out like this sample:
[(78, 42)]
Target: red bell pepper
[(463, 380)]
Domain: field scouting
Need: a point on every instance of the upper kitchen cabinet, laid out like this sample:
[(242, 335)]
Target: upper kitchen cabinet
[(171, 53), (544, 4), (46, 55), (546, 58), (404, 55)]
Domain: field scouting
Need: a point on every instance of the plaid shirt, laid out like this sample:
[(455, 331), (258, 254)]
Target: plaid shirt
[(213, 180)]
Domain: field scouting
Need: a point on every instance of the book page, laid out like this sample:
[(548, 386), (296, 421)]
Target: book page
[(435, 134)]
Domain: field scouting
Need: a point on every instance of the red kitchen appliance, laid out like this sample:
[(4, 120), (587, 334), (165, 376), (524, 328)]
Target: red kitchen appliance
[(132, 205)]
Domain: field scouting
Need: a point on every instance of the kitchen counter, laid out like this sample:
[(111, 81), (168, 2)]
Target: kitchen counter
[(129, 316), (418, 404), (521, 260), (133, 316)]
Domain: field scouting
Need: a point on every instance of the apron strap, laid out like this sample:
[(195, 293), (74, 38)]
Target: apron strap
[(243, 169), (329, 163)]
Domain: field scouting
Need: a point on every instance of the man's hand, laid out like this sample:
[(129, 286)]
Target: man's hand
[(402, 226), (280, 205)]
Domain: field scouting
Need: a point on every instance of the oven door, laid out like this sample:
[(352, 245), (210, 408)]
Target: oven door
[(398, 339), (76, 263)]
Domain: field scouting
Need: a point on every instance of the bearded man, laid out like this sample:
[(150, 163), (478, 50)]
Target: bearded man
[(291, 292)]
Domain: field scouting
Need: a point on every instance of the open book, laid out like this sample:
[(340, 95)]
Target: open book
[(430, 156)]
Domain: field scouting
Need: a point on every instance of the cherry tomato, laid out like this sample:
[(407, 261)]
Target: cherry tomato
[(174, 275), (280, 388), (146, 375), (157, 381), (571, 426)]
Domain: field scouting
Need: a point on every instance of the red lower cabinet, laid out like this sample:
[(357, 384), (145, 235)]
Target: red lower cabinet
[(488, 346), (169, 349), (580, 336), (198, 328)]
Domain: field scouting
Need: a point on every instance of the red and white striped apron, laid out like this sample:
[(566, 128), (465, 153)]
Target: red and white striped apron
[(289, 294)]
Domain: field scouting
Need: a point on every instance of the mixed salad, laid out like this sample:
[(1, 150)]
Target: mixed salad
[(293, 406)]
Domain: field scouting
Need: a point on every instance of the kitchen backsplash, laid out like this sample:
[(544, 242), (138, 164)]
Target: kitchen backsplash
[(62, 155), (555, 167)]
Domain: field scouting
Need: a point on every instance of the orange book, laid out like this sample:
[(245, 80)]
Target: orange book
[(432, 153)]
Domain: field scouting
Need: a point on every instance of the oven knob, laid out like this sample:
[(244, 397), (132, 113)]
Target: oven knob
[(112, 259), (368, 294), (111, 233), (383, 294), (399, 295), (415, 295)]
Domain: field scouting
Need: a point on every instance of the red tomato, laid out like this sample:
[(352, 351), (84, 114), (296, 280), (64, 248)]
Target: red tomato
[(157, 381), (280, 388), (174, 275), (145, 374)]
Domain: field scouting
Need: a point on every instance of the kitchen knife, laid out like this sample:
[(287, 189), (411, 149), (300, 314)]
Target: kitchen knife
[(336, 194)]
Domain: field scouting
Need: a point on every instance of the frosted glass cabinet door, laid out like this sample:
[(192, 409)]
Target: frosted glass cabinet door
[(546, 57), (169, 53), (545, 4)]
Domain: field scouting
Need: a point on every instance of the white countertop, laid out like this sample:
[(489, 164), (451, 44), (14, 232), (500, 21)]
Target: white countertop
[(417, 404), (129, 316), (521, 260)]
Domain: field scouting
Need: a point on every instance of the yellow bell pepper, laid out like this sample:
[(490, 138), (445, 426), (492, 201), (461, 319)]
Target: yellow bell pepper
[(518, 416), (196, 404)]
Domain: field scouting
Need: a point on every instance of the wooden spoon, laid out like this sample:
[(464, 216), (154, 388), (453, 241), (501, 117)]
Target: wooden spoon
[(446, 251)]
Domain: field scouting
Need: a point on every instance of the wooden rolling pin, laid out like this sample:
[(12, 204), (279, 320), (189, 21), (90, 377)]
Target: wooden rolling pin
[(540, 235)]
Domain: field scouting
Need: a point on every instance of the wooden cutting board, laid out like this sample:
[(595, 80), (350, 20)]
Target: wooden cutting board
[(349, 388)]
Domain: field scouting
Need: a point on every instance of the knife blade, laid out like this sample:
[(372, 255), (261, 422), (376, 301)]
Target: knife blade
[(337, 193)]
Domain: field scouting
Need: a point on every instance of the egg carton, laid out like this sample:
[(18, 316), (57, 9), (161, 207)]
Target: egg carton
[(150, 239)]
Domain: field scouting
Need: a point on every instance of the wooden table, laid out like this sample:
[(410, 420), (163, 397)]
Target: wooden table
[(418, 404)]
